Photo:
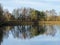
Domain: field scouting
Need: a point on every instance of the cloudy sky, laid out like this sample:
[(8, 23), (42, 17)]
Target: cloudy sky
[(36, 4)]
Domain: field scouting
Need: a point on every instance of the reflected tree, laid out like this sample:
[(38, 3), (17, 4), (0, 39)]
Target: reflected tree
[(1, 35), (50, 30)]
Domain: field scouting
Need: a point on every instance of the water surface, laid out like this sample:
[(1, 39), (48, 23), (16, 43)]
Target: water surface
[(30, 35)]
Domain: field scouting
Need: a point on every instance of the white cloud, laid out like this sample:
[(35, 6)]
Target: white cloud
[(51, 0), (28, 2), (39, 4)]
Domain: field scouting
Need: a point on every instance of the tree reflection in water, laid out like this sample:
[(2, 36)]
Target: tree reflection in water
[(1, 35), (50, 30), (4, 33), (21, 31), (25, 31)]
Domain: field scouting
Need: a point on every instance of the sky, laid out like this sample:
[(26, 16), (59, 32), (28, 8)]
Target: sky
[(36, 4)]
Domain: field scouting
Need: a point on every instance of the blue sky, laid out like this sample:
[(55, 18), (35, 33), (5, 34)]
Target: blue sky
[(36, 4)]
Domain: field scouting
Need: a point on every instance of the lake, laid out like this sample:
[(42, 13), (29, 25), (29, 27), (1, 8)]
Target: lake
[(30, 35)]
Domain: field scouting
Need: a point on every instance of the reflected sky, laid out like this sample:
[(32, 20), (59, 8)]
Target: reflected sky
[(41, 39)]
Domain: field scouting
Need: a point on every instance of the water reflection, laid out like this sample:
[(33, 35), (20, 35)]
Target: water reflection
[(26, 31), (1, 35), (50, 30)]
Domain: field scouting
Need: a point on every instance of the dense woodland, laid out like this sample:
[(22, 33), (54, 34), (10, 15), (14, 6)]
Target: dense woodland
[(22, 14), (27, 14)]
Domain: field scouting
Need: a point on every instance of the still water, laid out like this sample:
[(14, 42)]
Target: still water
[(30, 35)]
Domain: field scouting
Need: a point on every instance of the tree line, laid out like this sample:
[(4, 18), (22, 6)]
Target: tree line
[(26, 14), (22, 14)]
